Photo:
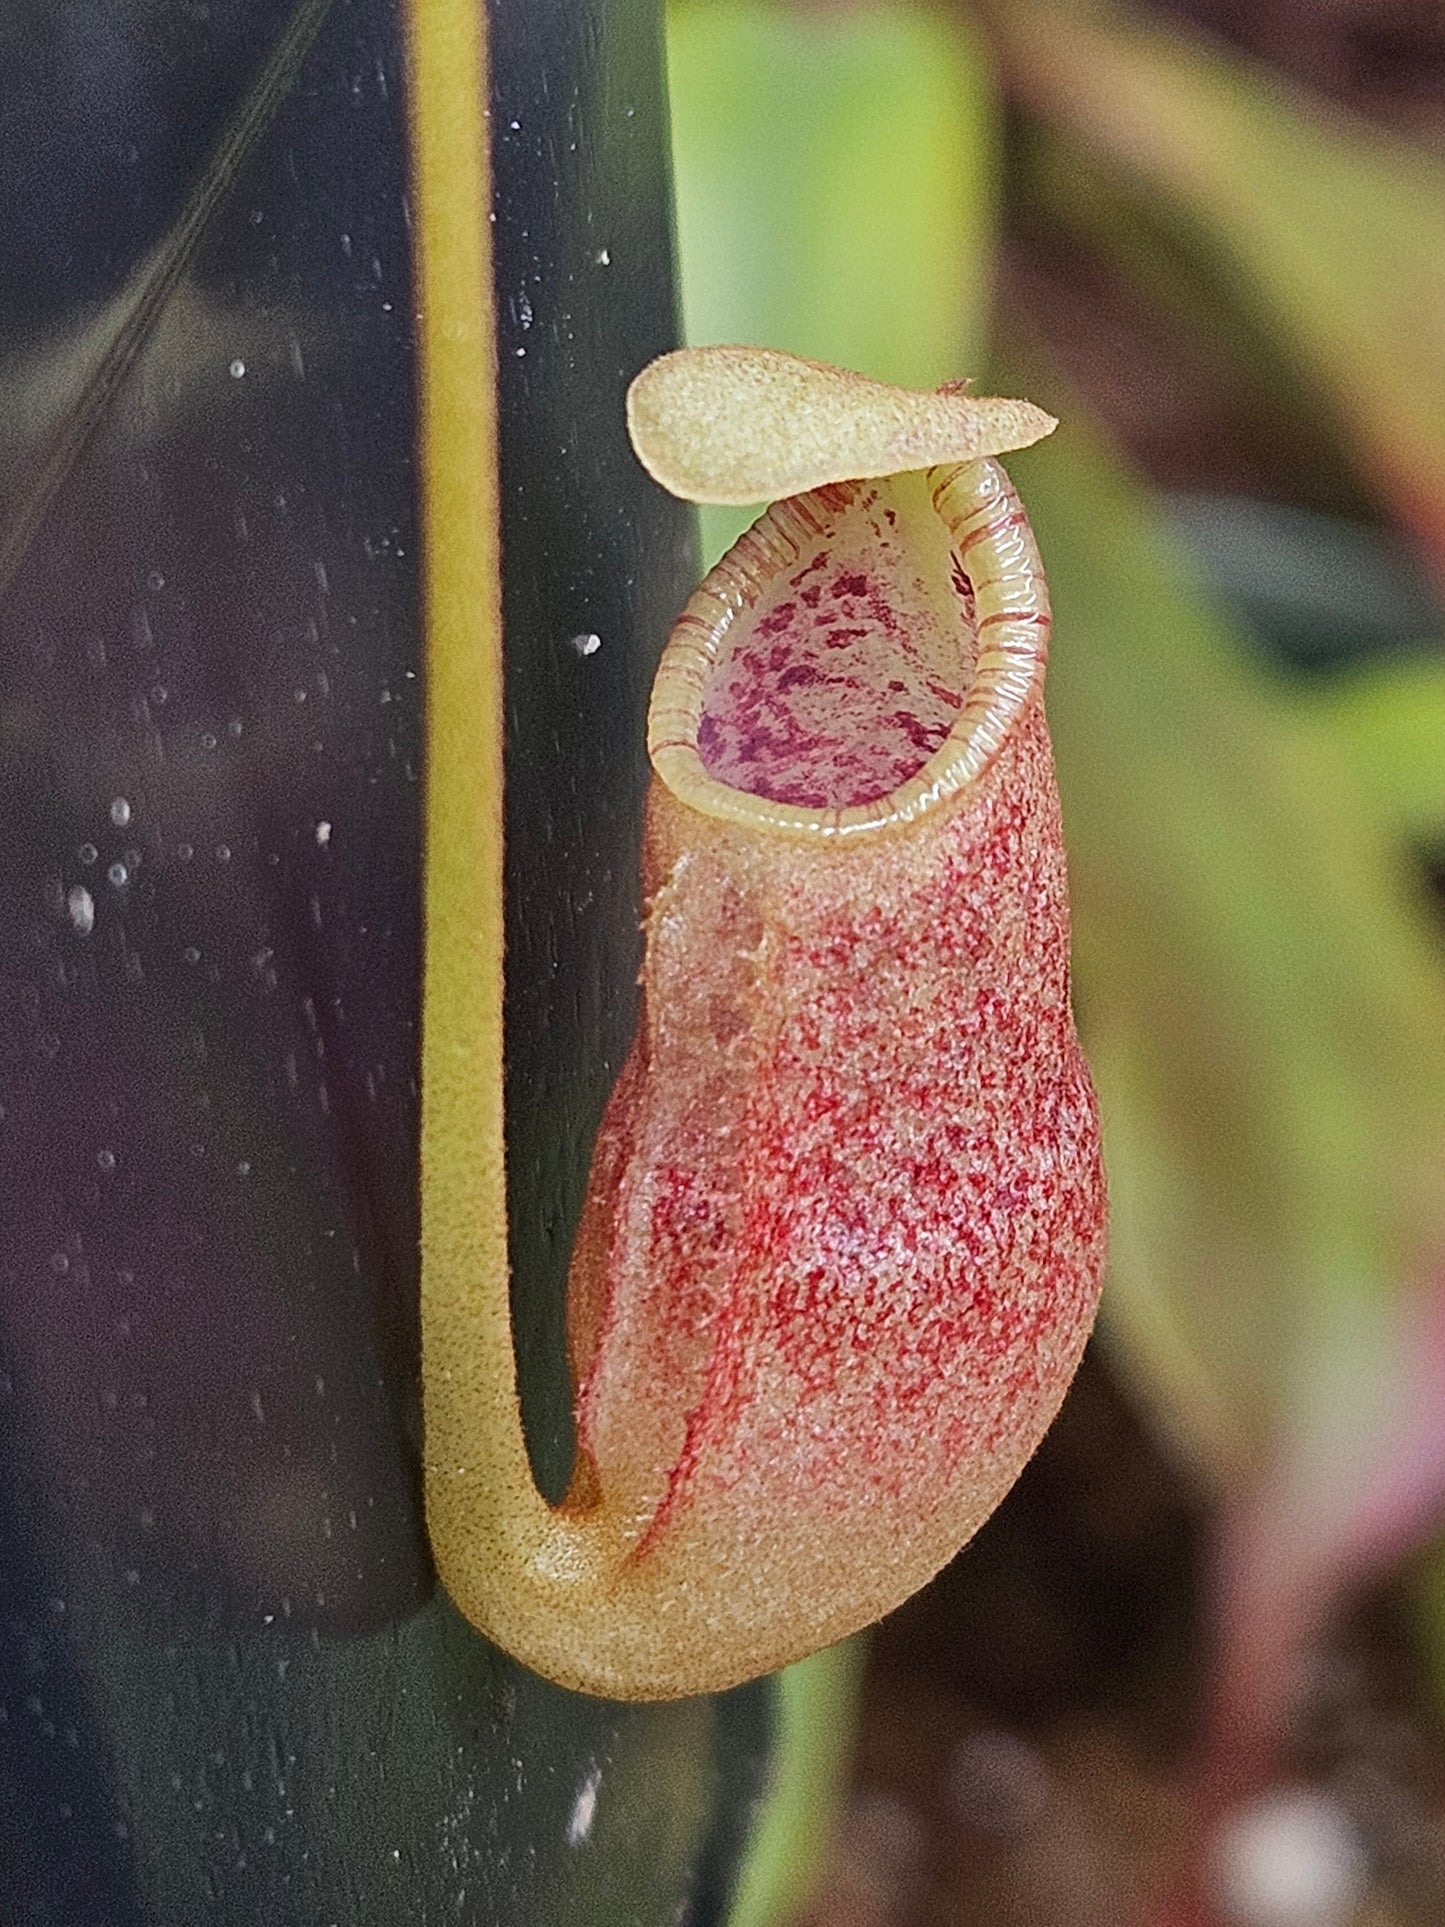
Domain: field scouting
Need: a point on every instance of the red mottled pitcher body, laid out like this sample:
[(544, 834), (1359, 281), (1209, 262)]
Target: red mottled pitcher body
[(844, 1233)]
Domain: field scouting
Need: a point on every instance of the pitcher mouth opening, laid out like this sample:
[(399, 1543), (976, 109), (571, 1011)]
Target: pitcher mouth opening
[(857, 658)]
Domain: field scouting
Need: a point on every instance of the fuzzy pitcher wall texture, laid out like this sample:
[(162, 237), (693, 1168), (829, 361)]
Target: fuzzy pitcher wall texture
[(843, 1236)]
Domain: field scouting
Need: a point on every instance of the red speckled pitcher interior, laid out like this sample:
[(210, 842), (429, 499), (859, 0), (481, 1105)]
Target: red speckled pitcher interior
[(850, 670)]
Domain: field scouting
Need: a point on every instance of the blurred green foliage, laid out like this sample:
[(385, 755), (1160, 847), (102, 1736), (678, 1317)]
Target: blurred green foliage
[(1330, 235), (834, 181)]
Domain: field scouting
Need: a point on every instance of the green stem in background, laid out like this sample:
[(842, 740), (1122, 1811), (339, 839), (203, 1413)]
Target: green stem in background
[(807, 1779)]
